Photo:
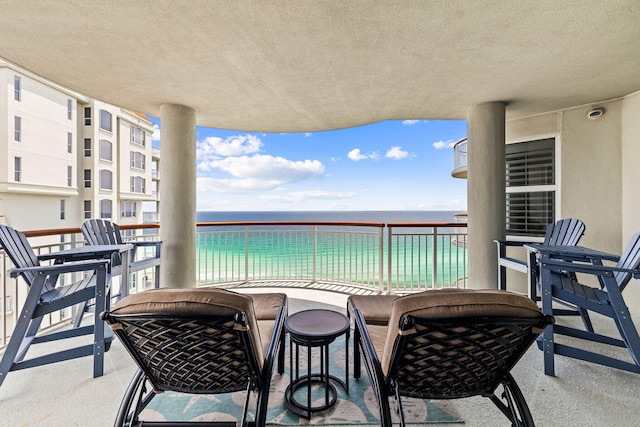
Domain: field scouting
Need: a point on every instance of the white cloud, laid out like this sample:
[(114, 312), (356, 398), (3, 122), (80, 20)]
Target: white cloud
[(356, 155), (214, 147), (410, 122), (258, 173), (155, 136), (396, 152), (444, 144)]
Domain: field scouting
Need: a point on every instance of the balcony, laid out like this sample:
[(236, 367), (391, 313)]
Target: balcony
[(460, 159), (317, 262)]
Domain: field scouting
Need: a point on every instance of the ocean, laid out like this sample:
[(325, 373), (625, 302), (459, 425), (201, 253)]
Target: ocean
[(342, 216), (414, 259)]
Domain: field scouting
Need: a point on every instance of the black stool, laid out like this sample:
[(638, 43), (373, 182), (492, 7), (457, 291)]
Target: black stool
[(315, 328)]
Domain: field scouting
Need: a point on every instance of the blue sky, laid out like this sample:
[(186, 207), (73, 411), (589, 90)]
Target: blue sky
[(390, 165)]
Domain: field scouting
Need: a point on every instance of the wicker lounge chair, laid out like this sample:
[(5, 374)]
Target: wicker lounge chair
[(448, 344), (200, 341)]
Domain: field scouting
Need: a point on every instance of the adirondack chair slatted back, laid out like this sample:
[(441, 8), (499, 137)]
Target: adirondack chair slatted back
[(101, 232), (19, 250), (565, 232), (630, 260)]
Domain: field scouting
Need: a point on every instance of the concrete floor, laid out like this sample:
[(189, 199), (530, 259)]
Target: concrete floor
[(582, 394)]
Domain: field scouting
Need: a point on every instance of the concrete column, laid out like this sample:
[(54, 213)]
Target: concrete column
[(178, 196), (485, 191)]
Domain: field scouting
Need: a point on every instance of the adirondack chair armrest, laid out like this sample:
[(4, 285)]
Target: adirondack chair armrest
[(60, 268), (510, 242), (156, 243), (598, 270)]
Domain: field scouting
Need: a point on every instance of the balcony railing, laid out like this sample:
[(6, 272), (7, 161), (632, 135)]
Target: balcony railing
[(403, 257), (460, 159)]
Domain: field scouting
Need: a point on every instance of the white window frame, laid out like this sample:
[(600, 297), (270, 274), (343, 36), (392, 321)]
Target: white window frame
[(105, 143), (106, 178), (106, 209), (17, 128), (17, 88), (555, 188), (17, 169), (106, 121), (87, 209)]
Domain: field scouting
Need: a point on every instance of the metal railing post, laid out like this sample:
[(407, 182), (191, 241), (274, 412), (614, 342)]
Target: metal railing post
[(314, 278), (246, 254), (434, 276), (389, 257)]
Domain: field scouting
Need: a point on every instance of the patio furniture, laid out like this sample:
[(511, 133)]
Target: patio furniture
[(565, 232), (102, 232), (559, 283), (198, 341), (46, 295), (315, 328), (450, 344)]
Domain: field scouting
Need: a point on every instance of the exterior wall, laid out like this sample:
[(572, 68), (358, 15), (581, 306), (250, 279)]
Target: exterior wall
[(588, 168), (630, 165), (34, 202)]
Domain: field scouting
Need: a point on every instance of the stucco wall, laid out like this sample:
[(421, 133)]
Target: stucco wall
[(630, 165)]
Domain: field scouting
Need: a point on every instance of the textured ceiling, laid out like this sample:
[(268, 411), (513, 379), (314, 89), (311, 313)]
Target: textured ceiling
[(287, 66)]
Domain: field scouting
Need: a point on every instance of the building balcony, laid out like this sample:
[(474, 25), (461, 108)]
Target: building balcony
[(312, 263), (460, 159)]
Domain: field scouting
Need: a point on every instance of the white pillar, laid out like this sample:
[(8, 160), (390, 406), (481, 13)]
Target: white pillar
[(485, 191), (178, 196)]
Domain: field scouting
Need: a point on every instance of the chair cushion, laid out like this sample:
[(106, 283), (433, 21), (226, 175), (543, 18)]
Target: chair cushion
[(456, 303), (266, 306), (193, 302), (375, 309)]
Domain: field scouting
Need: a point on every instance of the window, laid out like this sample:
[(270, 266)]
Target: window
[(137, 160), (87, 209), (105, 208), (17, 168), (69, 142), (16, 88), (128, 209), (69, 176), (87, 178), (106, 150), (17, 128), (137, 135), (105, 180), (105, 120), (69, 109), (87, 147), (87, 116), (62, 206), (530, 182), (137, 184)]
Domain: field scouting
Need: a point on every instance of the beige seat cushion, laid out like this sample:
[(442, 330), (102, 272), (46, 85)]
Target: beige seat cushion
[(455, 303), (266, 307), (193, 302), (375, 309)]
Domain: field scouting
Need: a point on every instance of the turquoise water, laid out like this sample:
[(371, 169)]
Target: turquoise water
[(348, 254)]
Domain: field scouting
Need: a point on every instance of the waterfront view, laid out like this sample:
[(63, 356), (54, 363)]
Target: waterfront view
[(374, 249)]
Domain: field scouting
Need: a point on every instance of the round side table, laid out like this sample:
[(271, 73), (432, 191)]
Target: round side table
[(315, 328)]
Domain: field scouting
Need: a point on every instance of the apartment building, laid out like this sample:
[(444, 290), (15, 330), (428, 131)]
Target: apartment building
[(66, 158)]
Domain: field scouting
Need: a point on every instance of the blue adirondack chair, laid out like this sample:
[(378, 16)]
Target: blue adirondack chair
[(559, 283), (564, 232), (102, 232), (46, 296)]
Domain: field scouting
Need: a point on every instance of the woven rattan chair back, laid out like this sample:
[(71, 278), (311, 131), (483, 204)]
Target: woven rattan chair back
[(456, 358), (200, 356)]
